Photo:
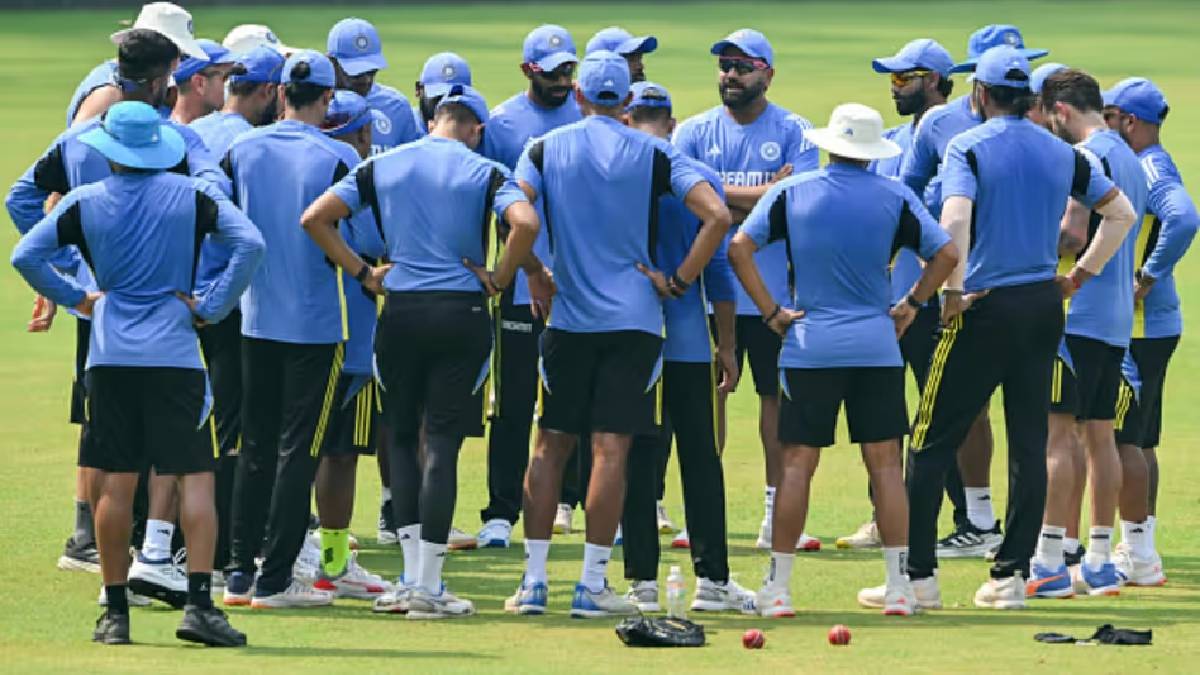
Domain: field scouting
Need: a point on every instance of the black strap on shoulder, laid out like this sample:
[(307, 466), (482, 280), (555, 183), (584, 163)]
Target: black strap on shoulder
[(207, 213), (50, 172), (489, 200), (660, 184), (70, 231), (973, 162), (1083, 174), (908, 231), (364, 179), (537, 155), (777, 218), (227, 167)]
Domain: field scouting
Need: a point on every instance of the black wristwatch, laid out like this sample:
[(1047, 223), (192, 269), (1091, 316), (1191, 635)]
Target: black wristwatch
[(363, 272), (768, 318), (912, 301), (677, 286)]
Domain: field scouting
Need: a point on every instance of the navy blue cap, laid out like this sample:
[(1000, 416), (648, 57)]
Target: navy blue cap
[(348, 112), (621, 41), (750, 41), (465, 95), (355, 44), (443, 70), (649, 95), (548, 47), (320, 68), (922, 53), (604, 78), (996, 66), (995, 35), (217, 55), (1038, 78), (261, 64), (1138, 97)]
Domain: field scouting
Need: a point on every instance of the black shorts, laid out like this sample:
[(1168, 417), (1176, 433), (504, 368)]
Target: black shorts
[(149, 417), (599, 381), (1129, 423), (83, 341), (762, 345), (433, 352), (355, 417), (1089, 390), (1152, 356), (874, 398)]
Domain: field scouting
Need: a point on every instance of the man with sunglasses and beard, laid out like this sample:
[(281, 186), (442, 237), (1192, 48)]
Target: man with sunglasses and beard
[(752, 143), (357, 53), (549, 60), (920, 80)]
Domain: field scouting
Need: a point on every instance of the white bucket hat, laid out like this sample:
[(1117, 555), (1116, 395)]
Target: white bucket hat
[(172, 22), (247, 37), (855, 131)]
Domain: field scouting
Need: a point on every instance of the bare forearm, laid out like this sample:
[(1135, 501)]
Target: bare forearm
[(320, 221), (725, 314), (518, 247), (956, 220), (741, 256), (744, 197), (936, 271), (1118, 217)]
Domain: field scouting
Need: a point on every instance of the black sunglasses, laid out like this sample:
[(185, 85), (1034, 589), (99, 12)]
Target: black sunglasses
[(743, 65)]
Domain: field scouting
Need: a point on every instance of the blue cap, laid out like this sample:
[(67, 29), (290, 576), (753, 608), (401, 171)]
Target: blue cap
[(604, 78), (750, 41), (1038, 78), (621, 41), (320, 68), (996, 66), (548, 47), (649, 95), (355, 44), (443, 70), (922, 53), (995, 35), (348, 112), (134, 135), (465, 95), (261, 64), (217, 55), (1138, 97)]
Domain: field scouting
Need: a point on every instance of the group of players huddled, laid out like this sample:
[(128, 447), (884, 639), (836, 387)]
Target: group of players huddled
[(330, 245)]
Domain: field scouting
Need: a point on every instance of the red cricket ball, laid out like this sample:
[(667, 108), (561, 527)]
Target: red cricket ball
[(753, 639), (839, 635)]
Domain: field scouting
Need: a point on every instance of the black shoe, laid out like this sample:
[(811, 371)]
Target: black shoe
[(969, 541), (1072, 558), (112, 629), (79, 556), (387, 518), (208, 626)]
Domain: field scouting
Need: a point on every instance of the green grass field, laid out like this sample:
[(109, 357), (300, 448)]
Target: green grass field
[(823, 52)]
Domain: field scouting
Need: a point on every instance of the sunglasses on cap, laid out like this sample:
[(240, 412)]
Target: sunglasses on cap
[(743, 65), (565, 70), (901, 79)]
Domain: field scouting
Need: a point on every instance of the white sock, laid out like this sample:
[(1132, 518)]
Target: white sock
[(1152, 528), (157, 544), (1070, 544), (895, 561), (410, 546), (780, 575), (385, 494), (769, 505), (536, 552), (979, 507), (1099, 547), (1137, 537), (595, 567), (432, 557), (1049, 552)]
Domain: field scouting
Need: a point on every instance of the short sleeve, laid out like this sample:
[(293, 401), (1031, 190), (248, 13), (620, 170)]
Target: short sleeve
[(357, 188), (960, 173), (800, 153), (918, 230), (684, 139), (530, 165), (683, 175), (1089, 184), (507, 193), (767, 222)]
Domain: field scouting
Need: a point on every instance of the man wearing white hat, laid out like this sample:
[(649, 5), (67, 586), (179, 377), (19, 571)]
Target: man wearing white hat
[(840, 331), (247, 37)]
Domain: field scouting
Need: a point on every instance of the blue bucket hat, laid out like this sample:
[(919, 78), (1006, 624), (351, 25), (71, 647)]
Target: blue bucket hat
[(217, 55), (548, 47), (750, 41), (649, 95), (1003, 67), (621, 41), (604, 78), (262, 64), (355, 44), (1038, 78), (1139, 97), (320, 68), (922, 53), (465, 95), (443, 70), (134, 135), (996, 35)]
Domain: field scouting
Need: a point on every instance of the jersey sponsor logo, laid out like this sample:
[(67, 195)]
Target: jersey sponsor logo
[(746, 178), (769, 151), (383, 125)]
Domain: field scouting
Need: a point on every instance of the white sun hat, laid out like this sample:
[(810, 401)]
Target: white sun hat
[(247, 37), (169, 20), (855, 131)]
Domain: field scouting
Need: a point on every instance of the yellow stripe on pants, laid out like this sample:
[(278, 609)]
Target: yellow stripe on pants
[(335, 371), (940, 354)]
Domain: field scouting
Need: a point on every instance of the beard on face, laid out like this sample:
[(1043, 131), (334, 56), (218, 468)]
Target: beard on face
[(429, 107), (269, 113), (909, 104), (747, 94), (554, 94)]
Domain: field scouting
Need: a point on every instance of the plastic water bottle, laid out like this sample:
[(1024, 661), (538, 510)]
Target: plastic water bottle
[(676, 594)]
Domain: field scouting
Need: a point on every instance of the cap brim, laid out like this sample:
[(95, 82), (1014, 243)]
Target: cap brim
[(555, 60), (638, 45), (893, 64), (435, 89), (835, 144), (362, 64), (169, 151), (186, 43), (968, 66)]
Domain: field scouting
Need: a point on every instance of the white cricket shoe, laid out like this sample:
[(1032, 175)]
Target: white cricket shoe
[(866, 536), (665, 526), (589, 605), (1138, 571), (644, 595), (681, 540), (926, 592), (564, 519), (496, 533), (461, 541), (308, 561), (299, 595), (354, 582), (443, 605), (394, 601), (713, 597), (165, 581), (804, 543), (774, 603), (1006, 593)]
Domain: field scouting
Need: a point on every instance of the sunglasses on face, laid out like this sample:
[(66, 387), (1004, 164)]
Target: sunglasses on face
[(901, 79), (565, 70), (742, 65)]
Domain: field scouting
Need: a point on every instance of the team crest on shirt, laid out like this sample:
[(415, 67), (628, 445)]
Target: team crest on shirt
[(362, 43), (382, 124), (769, 151)]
